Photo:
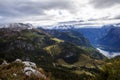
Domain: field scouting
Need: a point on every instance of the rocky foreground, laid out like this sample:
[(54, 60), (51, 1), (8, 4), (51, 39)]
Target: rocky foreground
[(21, 70)]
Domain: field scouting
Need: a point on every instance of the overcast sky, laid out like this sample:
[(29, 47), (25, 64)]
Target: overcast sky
[(47, 12)]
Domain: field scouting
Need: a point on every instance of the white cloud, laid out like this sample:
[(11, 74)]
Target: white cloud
[(104, 3), (47, 12)]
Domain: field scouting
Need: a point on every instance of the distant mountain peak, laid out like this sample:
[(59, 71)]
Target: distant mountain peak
[(60, 26), (66, 26), (17, 26)]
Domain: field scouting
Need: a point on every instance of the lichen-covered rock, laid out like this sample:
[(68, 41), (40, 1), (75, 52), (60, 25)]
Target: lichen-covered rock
[(4, 63), (29, 64), (31, 71), (18, 60), (21, 70)]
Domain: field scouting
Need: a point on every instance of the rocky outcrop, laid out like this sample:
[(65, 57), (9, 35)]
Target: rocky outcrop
[(24, 69)]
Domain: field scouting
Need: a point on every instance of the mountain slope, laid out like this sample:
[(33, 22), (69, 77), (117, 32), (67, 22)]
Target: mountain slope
[(54, 55), (70, 36), (110, 70), (111, 40), (94, 34), (76, 38)]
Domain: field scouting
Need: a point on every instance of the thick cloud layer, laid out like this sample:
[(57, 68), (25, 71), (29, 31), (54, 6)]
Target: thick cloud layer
[(104, 3), (30, 7), (51, 11), (117, 17)]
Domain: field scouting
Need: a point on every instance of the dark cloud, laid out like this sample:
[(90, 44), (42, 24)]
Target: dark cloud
[(117, 17), (24, 8), (104, 3)]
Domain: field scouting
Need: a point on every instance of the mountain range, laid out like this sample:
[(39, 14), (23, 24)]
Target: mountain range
[(51, 52), (106, 37), (63, 54)]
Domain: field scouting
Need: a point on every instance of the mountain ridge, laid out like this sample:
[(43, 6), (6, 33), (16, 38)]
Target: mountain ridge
[(47, 51)]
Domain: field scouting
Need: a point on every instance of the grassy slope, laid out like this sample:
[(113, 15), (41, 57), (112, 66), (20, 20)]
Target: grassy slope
[(110, 70), (49, 53)]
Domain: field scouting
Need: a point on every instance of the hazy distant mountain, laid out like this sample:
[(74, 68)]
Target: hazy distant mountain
[(98, 36), (59, 26), (111, 41), (94, 34)]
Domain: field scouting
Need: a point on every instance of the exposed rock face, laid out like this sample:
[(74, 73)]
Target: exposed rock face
[(4, 63), (23, 69), (29, 64), (31, 69), (18, 60)]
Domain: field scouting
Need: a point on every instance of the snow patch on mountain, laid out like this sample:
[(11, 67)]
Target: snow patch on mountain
[(75, 26), (17, 26)]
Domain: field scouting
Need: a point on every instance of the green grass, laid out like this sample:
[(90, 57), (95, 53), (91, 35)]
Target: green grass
[(53, 49), (110, 70), (57, 40)]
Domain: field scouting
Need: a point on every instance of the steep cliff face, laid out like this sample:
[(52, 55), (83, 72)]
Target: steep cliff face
[(94, 34), (111, 40)]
